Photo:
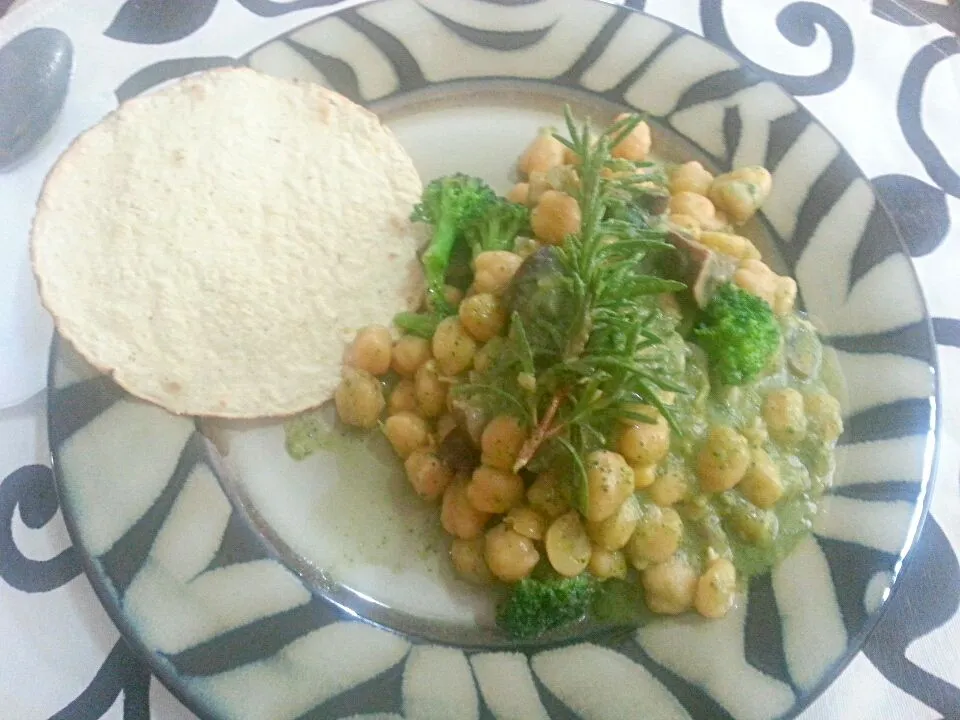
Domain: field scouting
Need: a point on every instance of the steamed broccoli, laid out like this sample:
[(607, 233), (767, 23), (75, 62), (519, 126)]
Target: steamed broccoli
[(536, 606), (739, 334), (449, 203), (498, 227)]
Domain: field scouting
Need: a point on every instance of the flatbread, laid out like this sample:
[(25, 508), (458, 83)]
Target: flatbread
[(215, 245)]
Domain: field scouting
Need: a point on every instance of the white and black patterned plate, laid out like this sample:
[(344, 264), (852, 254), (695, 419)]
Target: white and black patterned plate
[(233, 601)]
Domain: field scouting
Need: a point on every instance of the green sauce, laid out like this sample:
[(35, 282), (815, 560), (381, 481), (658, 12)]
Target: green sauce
[(380, 522), (728, 524), (308, 433)]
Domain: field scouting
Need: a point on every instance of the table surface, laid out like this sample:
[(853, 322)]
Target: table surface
[(61, 657)]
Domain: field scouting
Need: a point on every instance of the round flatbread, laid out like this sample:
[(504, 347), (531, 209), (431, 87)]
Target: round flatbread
[(215, 245)]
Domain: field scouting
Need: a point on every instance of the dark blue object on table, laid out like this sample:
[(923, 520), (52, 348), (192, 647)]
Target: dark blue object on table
[(34, 76)]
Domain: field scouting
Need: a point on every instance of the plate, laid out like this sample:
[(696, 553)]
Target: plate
[(257, 587)]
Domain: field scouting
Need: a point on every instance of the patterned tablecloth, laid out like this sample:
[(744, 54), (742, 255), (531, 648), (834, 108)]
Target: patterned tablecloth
[(882, 75)]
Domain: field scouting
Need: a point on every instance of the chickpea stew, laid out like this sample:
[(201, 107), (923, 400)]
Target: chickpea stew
[(607, 392)]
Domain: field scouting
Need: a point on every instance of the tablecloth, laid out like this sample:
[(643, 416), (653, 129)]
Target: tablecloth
[(882, 75)]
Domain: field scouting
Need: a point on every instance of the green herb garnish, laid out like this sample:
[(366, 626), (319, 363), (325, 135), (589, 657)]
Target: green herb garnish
[(583, 316)]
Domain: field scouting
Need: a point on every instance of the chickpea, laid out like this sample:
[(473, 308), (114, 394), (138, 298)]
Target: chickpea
[(656, 537), (453, 347), (780, 292), (610, 481), (458, 516), (669, 488), (430, 389), (690, 177), (723, 459), (359, 398), (636, 145), (824, 415), (735, 246), (686, 224), (740, 193), (721, 222), (644, 476), (541, 155), (509, 555), (427, 474), (493, 271), (555, 216), (605, 564), (761, 484), (406, 432), (784, 413), (453, 295), (485, 357), (546, 496), (615, 532), (526, 521), (568, 545), (468, 561), (757, 279), (716, 589), (371, 350), (784, 295), (564, 178), (482, 316), (501, 441), (538, 184), (756, 432), (409, 353), (643, 443), (697, 207), (494, 491), (519, 193), (670, 586), (403, 398)]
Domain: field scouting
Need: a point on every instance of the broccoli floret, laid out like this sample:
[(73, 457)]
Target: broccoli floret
[(449, 203), (536, 606), (498, 227), (739, 333)]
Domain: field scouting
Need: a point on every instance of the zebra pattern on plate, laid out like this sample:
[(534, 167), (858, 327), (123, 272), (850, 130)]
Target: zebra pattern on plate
[(238, 635)]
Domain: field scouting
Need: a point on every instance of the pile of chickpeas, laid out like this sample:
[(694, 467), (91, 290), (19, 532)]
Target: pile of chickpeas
[(706, 208), (502, 523)]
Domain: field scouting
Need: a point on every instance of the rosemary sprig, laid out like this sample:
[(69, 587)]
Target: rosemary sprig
[(606, 357)]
